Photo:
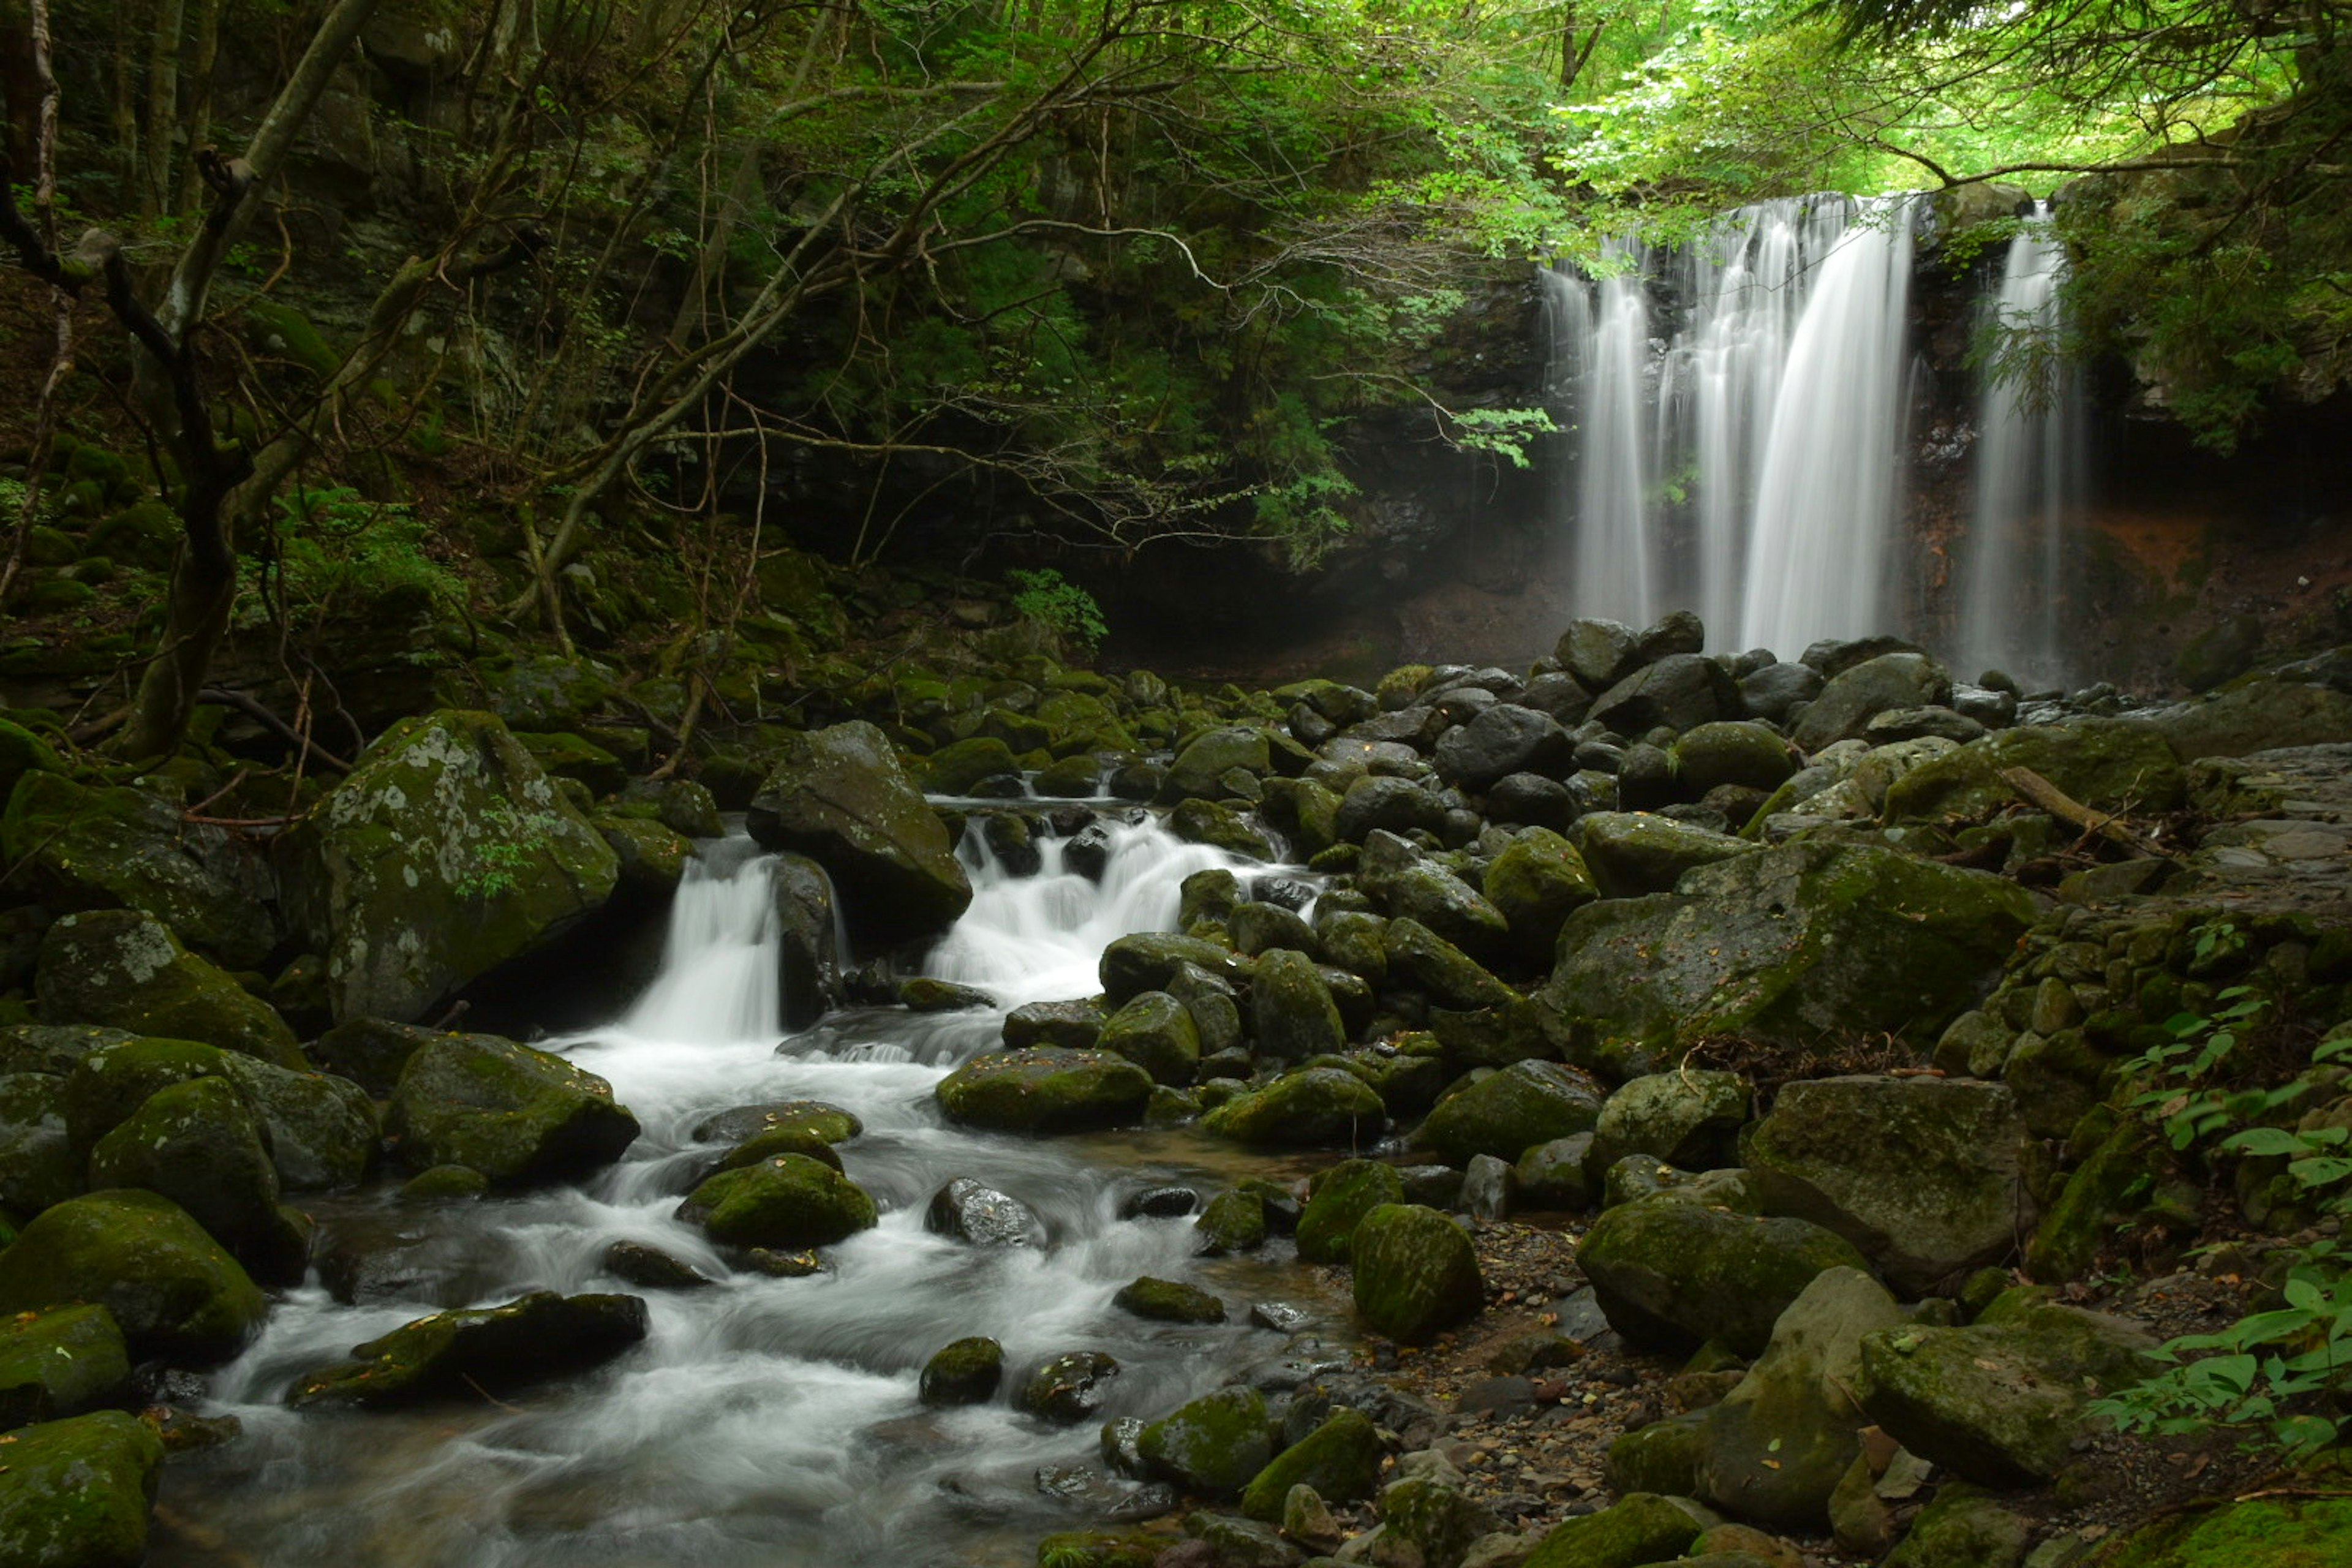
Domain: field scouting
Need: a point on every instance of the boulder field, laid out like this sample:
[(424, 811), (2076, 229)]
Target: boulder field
[(1764, 1048)]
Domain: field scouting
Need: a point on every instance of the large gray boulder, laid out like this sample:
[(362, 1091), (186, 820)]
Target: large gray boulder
[(172, 1289), (1926, 1176), (1292, 1011), (76, 1493), (1687, 1118), (839, 796), (1631, 853), (1414, 1272), (1505, 739), (446, 852), (1510, 1111), (1680, 692), (1673, 1272), (1852, 698), (125, 969)]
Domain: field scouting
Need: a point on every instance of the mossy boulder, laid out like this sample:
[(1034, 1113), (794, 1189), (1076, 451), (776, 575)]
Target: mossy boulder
[(954, 768), (1852, 697), (1662, 1457), (1212, 1447), (1449, 976), (446, 852), (125, 969), (1315, 1107), (1169, 1302), (480, 1351), (515, 1114), (1149, 960), (321, 1130), (2101, 1193), (1155, 1033), (1045, 1089), (1292, 1010), (1925, 1175), (543, 691), (1731, 753), (1340, 1459), (2275, 1532), (1535, 883), (566, 755), (22, 752), (80, 847), (1639, 1528), (2109, 764), (1631, 853), (38, 1165), (1337, 1202), (197, 1144), (2259, 713), (966, 1372), (1219, 826), (1509, 1111), (1414, 1272), (60, 1362), (1067, 1388), (1072, 1026), (75, 1493), (371, 1052), (1963, 1527), (1672, 1273), (172, 1289), (1203, 763), (1786, 945), (786, 1202), (839, 796), (1451, 907), (651, 858), (1688, 1119)]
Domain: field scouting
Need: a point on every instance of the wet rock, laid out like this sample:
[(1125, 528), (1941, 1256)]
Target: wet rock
[(973, 1212), (1169, 1302), (1451, 977), (648, 1267), (1428, 1514), (1292, 1014), (124, 970), (1532, 800), (1148, 961), (1208, 757), (1457, 913), (921, 994), (1687, 1118), (1234, 1221), (1045, 1090), (1337, 1200), (1772, 690), (1066, 1026), (1598, 653), (955, 768), (1662, 1457), (742, 1123), (1382, 805), (1221, 827), (446, 852), (2297, 705), (1213, 1447), (808, 939), (1510, 1111), (60, 1362), (515, 1114), (1551, 1175), (1489, 1187), (38, 1165), (1156, 1032), (1160, 1203), (1679, 692), (1632, 853), (371, 1052), (172, 1291), (1068, 1388), (2109, 764), (1314, 1107), (1673, 1274), (492, 1350), (321, 1130), (785, 1202), (1505, 739), (1729, 753), (75, 1493), (1414, 1272), (1899, 724), (1339, 1460), (196, 1144), (967, 1371), (1640, 1528), (1964, 1529)]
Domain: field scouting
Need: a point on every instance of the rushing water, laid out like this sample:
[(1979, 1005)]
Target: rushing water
[(765, 1422)]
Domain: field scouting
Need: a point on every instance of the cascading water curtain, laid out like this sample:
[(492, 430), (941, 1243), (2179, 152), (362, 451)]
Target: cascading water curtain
[(2015, 569), (1745, 465)]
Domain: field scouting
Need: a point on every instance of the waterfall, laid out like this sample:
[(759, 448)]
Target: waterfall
[(720, 963), (2014, 568), (1746, 464)]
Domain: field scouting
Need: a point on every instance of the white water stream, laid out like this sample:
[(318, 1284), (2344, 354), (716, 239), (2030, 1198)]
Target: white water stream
[(765, 1422)]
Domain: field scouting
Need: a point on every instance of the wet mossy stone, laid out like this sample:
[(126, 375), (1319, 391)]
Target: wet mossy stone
[(1415, 1272), (478, 1350), (1662, 1457), (113, 1080), (38, 1164), (1155, 1033), (839, 796), (1213, 1447), (443, 1184), (785, 1202), (444, 853), (60, 1362), (197, 1144), (1073, 1025), (1206, 759), (1449, 907), (975, 1212), (651, 858), (830, 1122), (1852, 697), (321, 1130), (1292, 1011), (515, 1114), (1219, 826), (1731, 753), (1379, 803), (1638, 1528), (1315, 1107), (371, 1052), (1451, 977), (1689, 1118), (1045, 1090), (1149, 960), (766, 1144), (2103, 1191), (1068, 1388), (2259, 713), (964, 1372), (125, 969), (1340, 1459), (2109, 764), (1631, 853), (545, 692), (1786, 945), (75, 1493), (1925, 1175), (922, 993), (1963, 1527), (53, 1048), (1337, 1202), (1169, 1302), (23, 752), (1234, 1221), (1535, 883), (2275, 1532), (563, 754), (172, 1289), (79, 848), (1432, 1518), (1510, 1111), (648, 1267), (1672, 1274), (1505, 739), (1100, 1549)]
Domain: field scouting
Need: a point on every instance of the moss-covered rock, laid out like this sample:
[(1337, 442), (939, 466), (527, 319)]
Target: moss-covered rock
[(79, 848), (1213, 1447), (1786, 945), (38, 1165), (1508, 1112), (1340, 1459), (1155, 1033), (23, 752), (1169, 1302), (1067, 1388), (196, 1144), (1731, 753), (2109, 764), (482, 1350), (786, 1202), (1687, 1118), (1535, 884), (1672, 1273), (966, 1372), (839, 796), (321, 1130), (1073, 1025), (2256, 714), (1662, 1457), (2277, 1532), (60, 1362), (1450, 977), (1449, 907), (1045, 1090), (1962, 1528), (1338, 1201), (125, 969), (1631, 853), (1642, 1528), (75, 1493), (515, 1114), (1221, 827), (2100, 1194), (173, 1291), (444, 853), (1100, 1549), (1315, 1107), (1415, 1272), (1292, 1010), (1203, 763), (651, 859), (1149, 960), (1852, 698)]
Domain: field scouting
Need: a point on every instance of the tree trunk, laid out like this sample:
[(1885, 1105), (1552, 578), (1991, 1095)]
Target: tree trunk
[(198, 121), (162, 107), (196, 619)]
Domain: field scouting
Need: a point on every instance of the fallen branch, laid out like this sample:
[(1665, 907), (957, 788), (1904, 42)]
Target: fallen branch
[(2039, 791), (252, 710)]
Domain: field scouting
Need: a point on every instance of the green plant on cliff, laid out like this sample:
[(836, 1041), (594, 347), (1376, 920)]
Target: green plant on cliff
[(1058, 605)]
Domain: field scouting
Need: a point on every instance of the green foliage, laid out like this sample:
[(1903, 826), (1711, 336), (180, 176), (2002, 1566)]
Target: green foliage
[(510, 839), (1058, 605), (2178, 1083), (334, 549)]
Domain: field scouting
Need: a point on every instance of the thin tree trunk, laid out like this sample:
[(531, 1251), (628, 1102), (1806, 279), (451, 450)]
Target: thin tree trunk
[(44, 218), (163, 106), (198, 121), (126, 114)]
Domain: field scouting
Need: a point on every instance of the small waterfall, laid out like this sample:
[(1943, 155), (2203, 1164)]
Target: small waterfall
[(720, 964), (1746, 464), (2013, 581)]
